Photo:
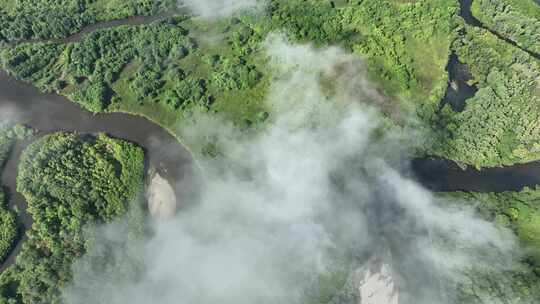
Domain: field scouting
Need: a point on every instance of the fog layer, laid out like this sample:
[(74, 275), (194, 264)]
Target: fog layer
[(289, 213), (218, 8)]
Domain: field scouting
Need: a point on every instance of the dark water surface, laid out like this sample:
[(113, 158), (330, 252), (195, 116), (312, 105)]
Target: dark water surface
[(458, 90), (440, 174), (49, 113)]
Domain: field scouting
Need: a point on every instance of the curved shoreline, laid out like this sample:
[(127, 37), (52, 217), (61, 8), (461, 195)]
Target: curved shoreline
[(16, 199), (49, 113)]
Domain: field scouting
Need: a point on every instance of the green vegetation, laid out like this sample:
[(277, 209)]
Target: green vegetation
[(168, 70), (69, 181), (43, 19), (517, 20), (520, 212), (406, 46), (498, 125), (9, 226)]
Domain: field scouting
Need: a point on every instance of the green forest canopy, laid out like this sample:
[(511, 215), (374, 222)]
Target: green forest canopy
[(69, 181), (43, 19), (166, 71), (9, 229)]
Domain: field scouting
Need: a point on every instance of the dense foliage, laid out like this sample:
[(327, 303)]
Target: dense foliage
[(499, 124), (9, 226), (167, 70), (517, 20), (519, 211), (41, 19), (69, 181)]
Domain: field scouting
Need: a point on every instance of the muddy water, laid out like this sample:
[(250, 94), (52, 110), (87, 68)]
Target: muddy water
[(50, 113)]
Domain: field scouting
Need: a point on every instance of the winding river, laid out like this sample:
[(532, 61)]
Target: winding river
[(51, 113)]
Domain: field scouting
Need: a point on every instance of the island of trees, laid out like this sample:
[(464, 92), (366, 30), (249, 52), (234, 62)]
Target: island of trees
[(68, 180)]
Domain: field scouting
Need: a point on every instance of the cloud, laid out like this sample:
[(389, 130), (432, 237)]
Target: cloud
[(9, 115), (218, 8), (289, 213)]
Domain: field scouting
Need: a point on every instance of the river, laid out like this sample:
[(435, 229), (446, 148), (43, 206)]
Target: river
[(50, 113)]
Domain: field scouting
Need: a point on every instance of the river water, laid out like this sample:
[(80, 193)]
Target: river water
[(50, 113)]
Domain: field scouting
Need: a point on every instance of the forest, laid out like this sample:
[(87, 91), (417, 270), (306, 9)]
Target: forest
[(45, 19), (69, 181), (507, 97), (516, 20), (9, 225), (520, 212), (141, 70), (9, 229)]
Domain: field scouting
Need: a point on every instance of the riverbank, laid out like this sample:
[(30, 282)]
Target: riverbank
[(470, 19), (49, 113)]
